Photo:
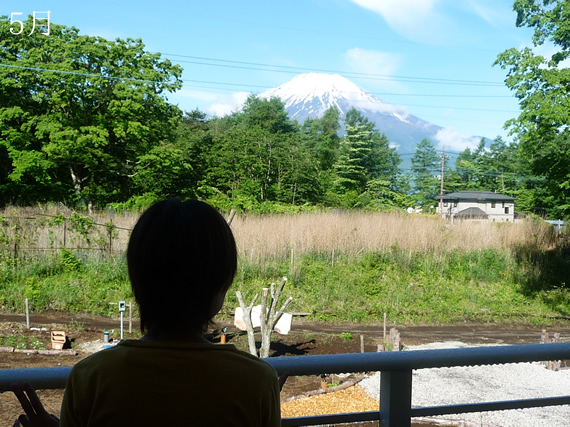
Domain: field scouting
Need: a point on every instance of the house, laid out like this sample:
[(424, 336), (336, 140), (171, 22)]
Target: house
[(477, 205)]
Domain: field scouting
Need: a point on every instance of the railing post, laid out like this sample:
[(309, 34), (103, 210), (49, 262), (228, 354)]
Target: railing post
[(395, 398)]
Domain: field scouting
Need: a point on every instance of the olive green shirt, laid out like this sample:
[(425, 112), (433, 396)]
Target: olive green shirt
[(156, 383)]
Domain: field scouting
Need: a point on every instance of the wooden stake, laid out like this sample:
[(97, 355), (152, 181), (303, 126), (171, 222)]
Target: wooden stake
[(130, 317), (231, 217), (384, 327), (27, 313), (361, 343)]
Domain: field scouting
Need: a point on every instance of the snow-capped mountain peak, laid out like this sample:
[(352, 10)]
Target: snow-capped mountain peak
[(312, 94)]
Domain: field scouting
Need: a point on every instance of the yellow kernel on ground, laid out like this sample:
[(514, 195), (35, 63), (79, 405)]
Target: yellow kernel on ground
[(352, 399)]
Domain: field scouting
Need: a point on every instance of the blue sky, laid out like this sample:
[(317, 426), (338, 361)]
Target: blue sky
[(432, 56)]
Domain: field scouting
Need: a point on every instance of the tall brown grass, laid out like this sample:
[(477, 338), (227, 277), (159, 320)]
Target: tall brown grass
[(356, 232), (277, 236)]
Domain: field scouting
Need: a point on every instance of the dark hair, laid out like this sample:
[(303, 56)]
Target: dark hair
[(180, 256)]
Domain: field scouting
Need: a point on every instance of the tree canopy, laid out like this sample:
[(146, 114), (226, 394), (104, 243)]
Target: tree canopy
[(81, 116), (542, 85), (86, 121)]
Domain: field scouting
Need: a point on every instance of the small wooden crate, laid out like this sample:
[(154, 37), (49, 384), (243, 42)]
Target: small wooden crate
[(57, 340)]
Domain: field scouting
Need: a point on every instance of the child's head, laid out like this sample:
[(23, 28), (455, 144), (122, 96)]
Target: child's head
[(182, 259)]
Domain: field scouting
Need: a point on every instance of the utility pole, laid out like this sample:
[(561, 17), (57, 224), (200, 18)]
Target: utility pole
[(441, 191)]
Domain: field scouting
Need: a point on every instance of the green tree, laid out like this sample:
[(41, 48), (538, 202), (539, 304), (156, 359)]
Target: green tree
[(365, 154), (353, 155), (80, 116), (542, 86), (426, 166), (256, 157), (268, 114), (321, 137)]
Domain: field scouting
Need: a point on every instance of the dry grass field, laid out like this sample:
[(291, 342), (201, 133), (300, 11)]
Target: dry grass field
[(278, 236), (356, 232)]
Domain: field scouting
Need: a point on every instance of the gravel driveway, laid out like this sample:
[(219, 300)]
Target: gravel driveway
[(444, 386)]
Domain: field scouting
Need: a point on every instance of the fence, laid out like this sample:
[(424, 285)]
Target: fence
[(396, 379), (23, 235)]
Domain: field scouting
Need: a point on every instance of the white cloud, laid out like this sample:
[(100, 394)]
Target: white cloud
[(201, 95), (373, 61), (452, 140), (493, 12), (382, 64), (213, 103), (399, 13), (227, 104), (413, 19), (399, 111)]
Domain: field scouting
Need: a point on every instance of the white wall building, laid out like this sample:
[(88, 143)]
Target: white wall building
[(477, 205)]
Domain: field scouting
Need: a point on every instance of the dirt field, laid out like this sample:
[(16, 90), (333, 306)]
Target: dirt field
[(306, 338)]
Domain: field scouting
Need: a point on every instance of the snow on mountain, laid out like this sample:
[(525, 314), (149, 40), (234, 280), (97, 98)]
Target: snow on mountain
[(321, 91), (311, 94)]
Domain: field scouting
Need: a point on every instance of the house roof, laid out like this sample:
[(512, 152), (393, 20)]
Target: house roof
[(476, 196), (472, 213)]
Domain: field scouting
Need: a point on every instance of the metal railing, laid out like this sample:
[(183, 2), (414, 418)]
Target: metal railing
[(395, 383)]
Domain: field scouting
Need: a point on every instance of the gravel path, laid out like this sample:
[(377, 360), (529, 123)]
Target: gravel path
[(443, 386)]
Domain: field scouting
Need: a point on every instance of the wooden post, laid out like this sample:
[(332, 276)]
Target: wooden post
[(268, 318), (441, 190), (27, 313), (269, 314), (231, 217), (248, 323), (130, 317), (361, 343), (384, 327)]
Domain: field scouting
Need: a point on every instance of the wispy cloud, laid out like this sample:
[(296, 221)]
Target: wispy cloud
[(414, 19), (373, 61), (381, 64), (227, 104), (213, 103), (493, 12), (452, 140)]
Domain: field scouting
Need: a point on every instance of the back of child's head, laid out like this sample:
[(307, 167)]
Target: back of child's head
[(180, 256)]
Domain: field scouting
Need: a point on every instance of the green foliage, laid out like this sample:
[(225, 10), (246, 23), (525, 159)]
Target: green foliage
[(541, 85), (69, 261), (83, 225), (425, 168), (411, 287), (137, 203), (346, 336), (85, 129), (364, 155)]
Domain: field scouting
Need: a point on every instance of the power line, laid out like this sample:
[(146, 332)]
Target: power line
[(100, 76), (132, 79), (433, 95), (226, 63)]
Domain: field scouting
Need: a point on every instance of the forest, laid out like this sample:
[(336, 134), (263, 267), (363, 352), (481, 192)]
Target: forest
[(86, 122)]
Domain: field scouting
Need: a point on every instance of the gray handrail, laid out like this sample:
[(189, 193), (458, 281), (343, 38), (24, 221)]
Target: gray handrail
[(419, 359), (396, 378)]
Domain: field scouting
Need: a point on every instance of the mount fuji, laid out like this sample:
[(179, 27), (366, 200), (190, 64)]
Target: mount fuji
[(311, 94)]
